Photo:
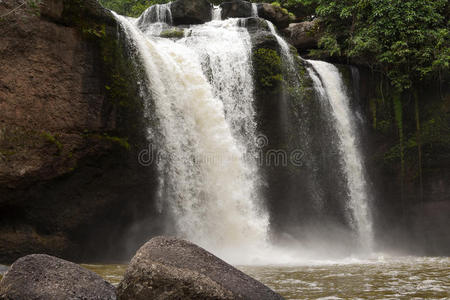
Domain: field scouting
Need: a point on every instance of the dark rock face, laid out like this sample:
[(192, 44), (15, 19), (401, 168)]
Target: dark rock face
[(191, 12), (169, 268), (40, 276), (304, 35), (255, 26), (276, 15), (413, 219), (236, 9), (68, 150)]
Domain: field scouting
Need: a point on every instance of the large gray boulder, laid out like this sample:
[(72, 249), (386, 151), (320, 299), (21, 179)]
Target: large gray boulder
[(304, 35), (275, 14), (169, 268), (44, 277), (186, 12), (236, 9)]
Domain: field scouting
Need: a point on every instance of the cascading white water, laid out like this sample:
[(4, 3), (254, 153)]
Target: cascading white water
[(254, 10), (225, 50), (216, 12), (156, 18), (209, 185), (285, 49), (329, 84)]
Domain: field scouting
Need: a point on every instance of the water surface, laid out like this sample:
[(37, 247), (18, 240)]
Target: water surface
[(380, 278)]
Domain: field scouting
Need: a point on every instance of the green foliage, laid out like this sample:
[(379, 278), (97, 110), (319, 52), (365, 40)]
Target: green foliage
[(132, 8), (407, 40), (268, 67), (398, 112)]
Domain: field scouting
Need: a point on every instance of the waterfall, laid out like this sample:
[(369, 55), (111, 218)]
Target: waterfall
[(157, 18), (328, 83), (209, 183), (285, 49), (216, 12), (224, 48), (254, 10)]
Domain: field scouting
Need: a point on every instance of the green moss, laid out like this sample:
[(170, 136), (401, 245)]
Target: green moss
[(121, 141), (94, 30), (292, 17), (52, 139), (34, 6), (276, 4), (268, 67), (172, 33)]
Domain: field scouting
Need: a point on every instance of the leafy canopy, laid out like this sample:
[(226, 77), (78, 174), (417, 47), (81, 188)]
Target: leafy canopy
[(408, 40), (132, 8)]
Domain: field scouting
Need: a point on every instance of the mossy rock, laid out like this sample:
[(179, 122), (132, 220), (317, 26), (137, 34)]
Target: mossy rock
[(268, 67), (175, 33)]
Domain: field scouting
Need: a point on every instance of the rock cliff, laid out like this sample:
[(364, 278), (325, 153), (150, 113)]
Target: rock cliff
[(70, 130)]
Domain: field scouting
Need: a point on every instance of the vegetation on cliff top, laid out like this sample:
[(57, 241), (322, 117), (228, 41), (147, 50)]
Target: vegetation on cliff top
[(406, 40), (132, 8)]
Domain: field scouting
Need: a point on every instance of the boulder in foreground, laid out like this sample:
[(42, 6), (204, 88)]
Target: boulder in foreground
[(45, 277), (169, 268)]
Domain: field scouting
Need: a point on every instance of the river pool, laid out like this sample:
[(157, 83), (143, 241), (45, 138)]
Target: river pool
[(380, 278)]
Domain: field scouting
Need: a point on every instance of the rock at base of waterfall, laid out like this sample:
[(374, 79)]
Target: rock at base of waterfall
[(277, 15), (236, 9), (169, 268), (191, 12), (304, 35), (41, 276)]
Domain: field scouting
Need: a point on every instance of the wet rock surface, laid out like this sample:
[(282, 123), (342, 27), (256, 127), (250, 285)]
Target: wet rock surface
[(304, 35), (40, 276), (191, 11), (169, 268), (236, 9), (276, 15)]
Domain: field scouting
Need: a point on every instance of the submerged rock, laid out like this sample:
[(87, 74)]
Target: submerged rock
[(304, 35), (169, 268), (236, 9), (275, 14), (41, 276), (191, 11)]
